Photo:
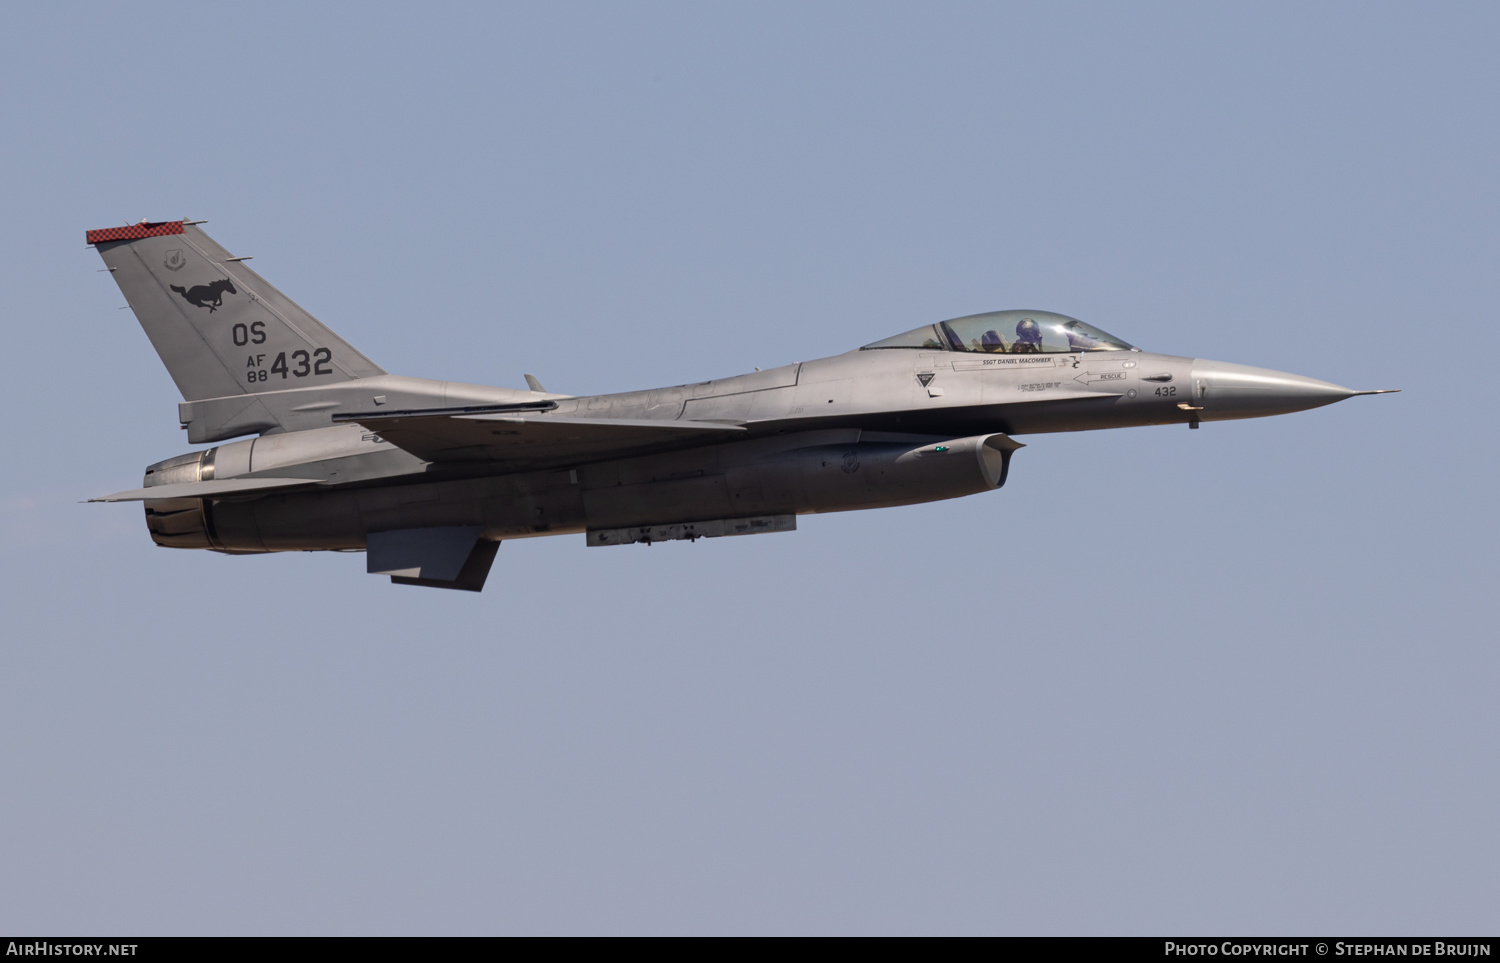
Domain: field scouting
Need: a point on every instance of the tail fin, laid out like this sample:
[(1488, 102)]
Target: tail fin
[(219, 327)]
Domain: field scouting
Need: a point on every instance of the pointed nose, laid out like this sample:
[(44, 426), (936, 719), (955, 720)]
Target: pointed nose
[(1223, 390)]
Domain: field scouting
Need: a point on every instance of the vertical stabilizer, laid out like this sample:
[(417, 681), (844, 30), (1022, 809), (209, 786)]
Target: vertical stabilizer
[(219, 327)]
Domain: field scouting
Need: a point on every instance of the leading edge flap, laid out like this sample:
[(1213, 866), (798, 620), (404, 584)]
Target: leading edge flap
[(535, 441)]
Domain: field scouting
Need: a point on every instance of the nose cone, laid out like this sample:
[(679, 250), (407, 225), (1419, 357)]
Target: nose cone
[(1223, 390)]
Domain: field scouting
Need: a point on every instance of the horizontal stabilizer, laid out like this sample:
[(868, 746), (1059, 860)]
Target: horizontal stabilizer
[(533, 440), (218, 488)]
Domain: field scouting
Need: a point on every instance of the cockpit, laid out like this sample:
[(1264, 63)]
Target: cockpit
[(1007, 332)]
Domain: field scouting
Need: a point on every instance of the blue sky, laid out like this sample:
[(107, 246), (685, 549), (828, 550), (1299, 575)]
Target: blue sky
[(1239, 680)]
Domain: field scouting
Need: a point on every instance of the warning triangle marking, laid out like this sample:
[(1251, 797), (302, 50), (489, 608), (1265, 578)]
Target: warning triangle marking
[(926, 379)]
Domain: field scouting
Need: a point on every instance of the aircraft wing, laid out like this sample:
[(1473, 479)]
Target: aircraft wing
[(533, 440), (218, 488)]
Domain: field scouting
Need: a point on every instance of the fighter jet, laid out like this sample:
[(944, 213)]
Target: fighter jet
[(428, 477)]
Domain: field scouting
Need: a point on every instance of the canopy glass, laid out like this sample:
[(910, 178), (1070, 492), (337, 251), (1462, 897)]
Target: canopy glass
[(1007, 332)]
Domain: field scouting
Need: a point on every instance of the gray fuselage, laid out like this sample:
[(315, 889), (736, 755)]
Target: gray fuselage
[(429, 476), (865, 429)]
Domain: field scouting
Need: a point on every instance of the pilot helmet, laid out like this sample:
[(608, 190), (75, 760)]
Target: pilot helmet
[(990, 340), (1028, 332)]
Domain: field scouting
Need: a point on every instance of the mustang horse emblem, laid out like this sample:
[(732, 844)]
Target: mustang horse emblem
[(209, 296)]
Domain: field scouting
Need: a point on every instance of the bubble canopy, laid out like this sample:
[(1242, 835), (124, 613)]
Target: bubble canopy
[(1007, 332)]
